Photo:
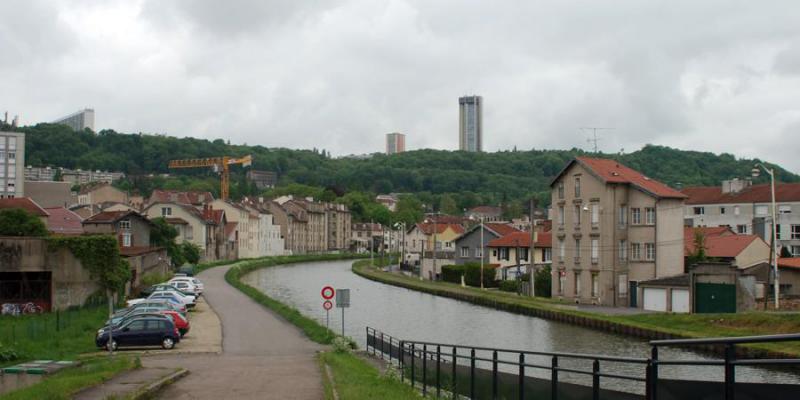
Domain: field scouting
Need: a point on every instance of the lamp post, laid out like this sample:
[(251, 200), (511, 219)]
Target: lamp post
[(776, 282)]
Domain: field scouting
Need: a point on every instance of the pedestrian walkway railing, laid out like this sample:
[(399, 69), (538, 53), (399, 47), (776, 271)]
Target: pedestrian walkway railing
[(493, 373)]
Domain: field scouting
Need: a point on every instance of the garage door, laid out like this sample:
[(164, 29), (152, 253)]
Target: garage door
[(680, 300), (655, 299), (714, 298)]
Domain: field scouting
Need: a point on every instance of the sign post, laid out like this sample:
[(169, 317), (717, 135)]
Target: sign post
[(327, 294), (343, 301)]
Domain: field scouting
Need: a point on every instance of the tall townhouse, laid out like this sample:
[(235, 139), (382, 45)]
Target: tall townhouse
[(612, 227), (293, 222), (247, 227), (317, 225), (747, 209), (339, 222)]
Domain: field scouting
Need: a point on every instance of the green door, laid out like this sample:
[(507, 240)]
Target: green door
[(714, 298)]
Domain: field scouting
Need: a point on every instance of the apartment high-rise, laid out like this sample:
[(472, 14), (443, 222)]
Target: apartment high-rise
[(79, 120), (395, 143), (470, 123), (12, 165)]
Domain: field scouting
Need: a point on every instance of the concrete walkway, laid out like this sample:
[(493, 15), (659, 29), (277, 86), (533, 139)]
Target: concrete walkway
[(263, 356)]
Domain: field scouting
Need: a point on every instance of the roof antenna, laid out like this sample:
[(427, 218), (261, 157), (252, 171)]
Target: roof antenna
[(594, 139)]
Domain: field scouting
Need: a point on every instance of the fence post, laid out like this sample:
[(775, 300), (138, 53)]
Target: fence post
[(402, 361), (494, 375), (438, 375), (596, 380), (413, 369), (554, 378), (654, 373), (424, 370), (472, 374), (455, 361), (521, 376), (730, 372), (382, 346)]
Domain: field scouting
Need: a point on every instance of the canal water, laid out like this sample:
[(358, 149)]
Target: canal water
[(411, 315)]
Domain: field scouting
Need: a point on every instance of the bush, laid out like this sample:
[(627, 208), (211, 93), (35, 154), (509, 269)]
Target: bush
[(154, 278), (452, 273), (510, 286), (543, 282), (472, 275)]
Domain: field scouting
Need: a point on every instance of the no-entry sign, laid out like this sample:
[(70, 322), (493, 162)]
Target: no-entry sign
[(327, 305), (327, 292)]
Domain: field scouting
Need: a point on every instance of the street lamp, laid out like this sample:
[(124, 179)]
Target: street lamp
[(756, 172), (401, 225)]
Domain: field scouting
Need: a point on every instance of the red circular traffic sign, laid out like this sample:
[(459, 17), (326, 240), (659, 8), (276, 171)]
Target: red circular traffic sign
[(327, 305), (327, 292)]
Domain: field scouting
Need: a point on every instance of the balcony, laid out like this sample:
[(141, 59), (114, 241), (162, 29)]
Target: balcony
[(577, 260), (595, 260)]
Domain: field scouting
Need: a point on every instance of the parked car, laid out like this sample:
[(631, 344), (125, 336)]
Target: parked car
[(134, 314), (162, 286), (181, 322), (146, 331), (161, 304), (185, 286), (194, 281), (172, 296)]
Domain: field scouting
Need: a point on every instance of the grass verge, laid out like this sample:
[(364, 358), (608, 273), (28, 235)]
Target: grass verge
[(64, 384), (655, 324), (355, 378)]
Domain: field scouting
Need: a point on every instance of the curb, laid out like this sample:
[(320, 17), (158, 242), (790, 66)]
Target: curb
[(150, 390)]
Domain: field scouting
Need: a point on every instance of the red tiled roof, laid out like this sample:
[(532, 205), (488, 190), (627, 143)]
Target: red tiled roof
[(176, 196), (107, 217), (486, 210), (213, 215), (707, 231), (63, 221), (502, 229), (784, 192), (427, 228), (789, 262), (24, 203), (523, 239), (723, 246), (230, 228), (613, 172)]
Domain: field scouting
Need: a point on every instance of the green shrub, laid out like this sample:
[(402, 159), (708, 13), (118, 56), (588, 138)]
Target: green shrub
[(154, 278), (452, 273), (472, 275), (509, 286), (543, 282)]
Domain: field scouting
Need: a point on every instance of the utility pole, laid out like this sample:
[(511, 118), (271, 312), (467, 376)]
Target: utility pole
[(371, 244), (483, 250), (594, 139), (776, 281)]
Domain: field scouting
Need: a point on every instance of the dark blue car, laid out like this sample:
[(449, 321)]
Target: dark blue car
[(145, 331)]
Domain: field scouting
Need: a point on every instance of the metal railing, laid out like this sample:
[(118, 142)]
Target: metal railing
[(454, 368)]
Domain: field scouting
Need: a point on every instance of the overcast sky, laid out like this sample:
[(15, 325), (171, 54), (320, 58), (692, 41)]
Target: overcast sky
[(720, 76)]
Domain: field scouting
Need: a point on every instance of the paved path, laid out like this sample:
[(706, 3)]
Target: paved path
[(263, 356)]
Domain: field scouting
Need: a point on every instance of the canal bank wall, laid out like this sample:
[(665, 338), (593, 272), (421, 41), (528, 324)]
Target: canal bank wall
[(550, 312)]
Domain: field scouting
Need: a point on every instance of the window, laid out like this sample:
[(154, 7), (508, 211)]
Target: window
[(650, 216), (784, 209), (479, 252), (577, 186), (561, 190), (166, 211), (699, 210), (741, 229), (126, 239), (12, 157), (547, 255), (464, 252), (735, 210), (577, 250), (636, 216), (561, 215), (795, 232), (136, 326), (2, 155), (595, 214), (762, 210), (524, 253), (795, 251), (577, 284), (595, 251), (577, 215), (623, 250), (636, 251), (125, 224), (562, 281), (650, 251), (623, 285), (722, 210), (504, 253), (623, 215), (778, 232), (12, 143), (560, 250), (595, 285)]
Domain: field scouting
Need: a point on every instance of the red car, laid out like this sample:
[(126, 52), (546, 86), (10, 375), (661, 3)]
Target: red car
[(181, 323)]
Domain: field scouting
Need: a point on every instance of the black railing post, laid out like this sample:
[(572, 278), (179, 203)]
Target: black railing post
[(554, 378), (494, 375), (438, 375), (596, 380), (402, 350), (648, 380), (521, 376), (455, 362), (730, 372), (654, 373), (424, 370), (472, 374), (413, 368)]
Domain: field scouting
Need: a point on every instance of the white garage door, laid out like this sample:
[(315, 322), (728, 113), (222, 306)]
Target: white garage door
[(655, 299), (680, 300)]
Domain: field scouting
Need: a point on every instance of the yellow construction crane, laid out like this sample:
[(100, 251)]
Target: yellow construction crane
[(219, 164)]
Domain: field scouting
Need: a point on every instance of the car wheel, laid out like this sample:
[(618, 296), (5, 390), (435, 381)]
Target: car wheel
[(112, 345), (167, 343)]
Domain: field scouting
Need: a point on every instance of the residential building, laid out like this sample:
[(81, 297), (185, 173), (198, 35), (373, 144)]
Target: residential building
[(470, 123), (612, 228), (191, 223), (40, 173), (470, 249), (12, 165), (366, 236), (293, 222), (270, 241), (339, 224), (61, 221), (79, 120), (487, 213), (395, 143), (262, 179), (721, 244), (747, 209), (388, 200), (51, 194), (246, 224), (100, 192), (511, 253), (26, 204), (194, 198), (422, 236), (74, 177)]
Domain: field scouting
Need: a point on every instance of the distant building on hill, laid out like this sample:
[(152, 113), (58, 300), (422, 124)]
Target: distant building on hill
[(12, 164), (262, 179), (395, 143), (79, 120), (470, 123)]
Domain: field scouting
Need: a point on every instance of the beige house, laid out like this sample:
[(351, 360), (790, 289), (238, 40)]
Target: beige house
[(191, 225), (97, 193), (503, 253), (247, 227), (339, 223), (612, 227)]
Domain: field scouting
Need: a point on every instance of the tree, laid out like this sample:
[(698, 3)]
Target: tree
[(699, 253), (191, 252), (18, 222), (448, 205), (162, 234), (542, 281)]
